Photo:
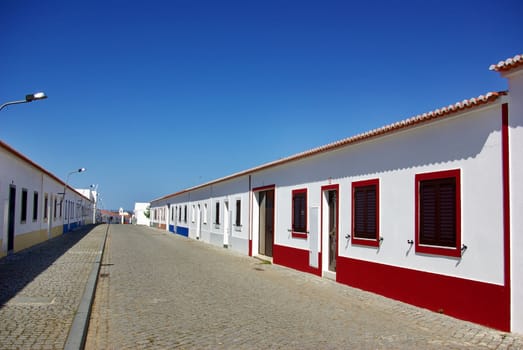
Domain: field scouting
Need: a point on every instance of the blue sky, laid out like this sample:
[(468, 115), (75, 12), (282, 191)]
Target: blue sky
[(156, 96)]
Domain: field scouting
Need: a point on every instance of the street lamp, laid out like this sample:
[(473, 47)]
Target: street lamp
[(28, 98), (81, 170)]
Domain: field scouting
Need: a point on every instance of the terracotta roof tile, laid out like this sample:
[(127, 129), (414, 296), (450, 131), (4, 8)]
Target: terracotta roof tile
[(508, 64)]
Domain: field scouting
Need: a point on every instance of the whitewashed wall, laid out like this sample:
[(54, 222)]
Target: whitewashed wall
[(17, 171), (139, 210), (470, 142)]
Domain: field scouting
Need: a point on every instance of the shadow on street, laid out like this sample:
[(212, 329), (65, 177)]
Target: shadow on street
[(19, 269)]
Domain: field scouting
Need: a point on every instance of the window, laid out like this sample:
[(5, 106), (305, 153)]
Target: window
[(365, 212), (193, 213), (438, 213), (55, 207), (180, 213), (205, 213), (46, 202), (23, 214), (35, 206), (238, 212), (185, 213), (217, 214), (299, 213), (173, 210)]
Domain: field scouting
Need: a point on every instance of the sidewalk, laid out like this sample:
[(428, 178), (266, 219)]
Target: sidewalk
[(43, 292)]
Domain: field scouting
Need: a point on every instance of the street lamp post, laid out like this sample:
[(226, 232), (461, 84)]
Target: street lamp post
[(28, 98), (81, 170)]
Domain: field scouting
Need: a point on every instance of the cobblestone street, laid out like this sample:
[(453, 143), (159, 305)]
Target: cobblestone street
[(159, 290), (41, 288)]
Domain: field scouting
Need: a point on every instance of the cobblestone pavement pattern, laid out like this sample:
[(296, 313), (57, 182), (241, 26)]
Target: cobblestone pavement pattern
[(161, 291), (41, 289)]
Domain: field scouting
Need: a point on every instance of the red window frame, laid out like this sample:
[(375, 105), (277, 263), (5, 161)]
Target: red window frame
[(375, 240), (301, 232), (455, 250)]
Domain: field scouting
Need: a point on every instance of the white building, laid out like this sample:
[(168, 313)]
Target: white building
[(426, 210), (35, 205), (92, 194), (139, 217)]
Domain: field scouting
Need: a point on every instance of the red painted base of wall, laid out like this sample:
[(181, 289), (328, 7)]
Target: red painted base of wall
[(297, 259), (483, 303), (478, 302)]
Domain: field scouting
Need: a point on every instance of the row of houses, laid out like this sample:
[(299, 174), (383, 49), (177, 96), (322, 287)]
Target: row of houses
[(426, 210), (35, 205)]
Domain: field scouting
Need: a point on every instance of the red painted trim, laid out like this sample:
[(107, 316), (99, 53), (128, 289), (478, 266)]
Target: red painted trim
[(474, 301), (436, 250), (264, 188), (505, 147), (294, 258), (324, 189), (250, 228), (299, 234), (363, 241), (330, 187)]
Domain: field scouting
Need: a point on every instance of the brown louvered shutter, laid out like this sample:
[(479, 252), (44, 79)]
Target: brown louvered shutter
[(365, 212), (438, 212)]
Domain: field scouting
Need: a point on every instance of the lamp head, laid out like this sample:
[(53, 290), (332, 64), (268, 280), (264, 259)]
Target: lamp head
[(81, 170), (35, 96)]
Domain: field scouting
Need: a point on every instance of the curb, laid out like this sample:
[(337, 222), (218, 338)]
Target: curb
[(78, 332)]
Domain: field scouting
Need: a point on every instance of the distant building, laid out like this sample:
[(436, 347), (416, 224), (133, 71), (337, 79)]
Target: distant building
[(93, 197), (139, 217), (109, 217)]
